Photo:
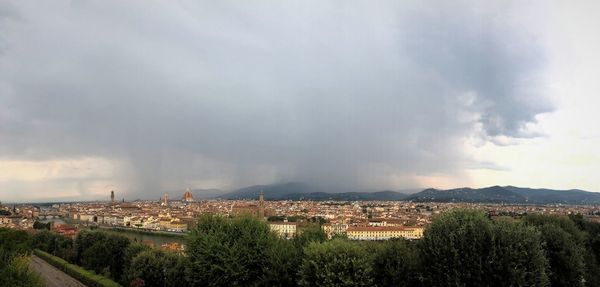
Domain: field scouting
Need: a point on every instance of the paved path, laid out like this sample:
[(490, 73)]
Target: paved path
[(52, 276)]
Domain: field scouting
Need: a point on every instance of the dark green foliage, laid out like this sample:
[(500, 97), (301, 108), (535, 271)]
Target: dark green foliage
[(101, 252), (235, 251), (309, 234), (592, 246), (565, 249), (395, 263), (564, 255), (336, 263), (518, 258), (45, 241), (275, 218), (54, 244), (39, 225), (14, 243), (460, 248), (457, 249), (87, 277), (282, 269), (157, 269), (465, 248), (563, 223), (131, 252), (15, 246), (17, 273)]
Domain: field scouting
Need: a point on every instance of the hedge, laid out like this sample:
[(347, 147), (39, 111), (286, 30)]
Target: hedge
[(86, 277), (146, 231)]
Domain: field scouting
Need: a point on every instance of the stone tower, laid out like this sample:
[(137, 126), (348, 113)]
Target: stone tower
[(166, 199), (261, 205), (112, 196)]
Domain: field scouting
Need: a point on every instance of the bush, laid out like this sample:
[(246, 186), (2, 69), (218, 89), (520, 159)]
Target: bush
[(15, 246), (88, 278), (336, 263), (565, 248), (235, 251), (158, 268), (101, 252), (395, 263), (465, 248), (18, 273), (54, 244)]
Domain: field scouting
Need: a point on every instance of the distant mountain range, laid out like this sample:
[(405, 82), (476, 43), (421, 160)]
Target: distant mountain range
[(507, 194), (493, 194), (302, 191), (207, 193)]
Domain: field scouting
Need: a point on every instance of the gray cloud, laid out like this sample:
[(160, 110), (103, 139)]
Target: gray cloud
[(334, 93)]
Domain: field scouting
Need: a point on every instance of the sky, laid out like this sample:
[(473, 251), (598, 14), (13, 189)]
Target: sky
[(147, 97)]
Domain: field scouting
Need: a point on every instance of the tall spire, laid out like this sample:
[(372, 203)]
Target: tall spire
[(165, 199), (261, 205)]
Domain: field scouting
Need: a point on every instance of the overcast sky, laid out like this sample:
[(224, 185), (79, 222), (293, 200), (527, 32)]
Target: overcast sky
[(143, 97)]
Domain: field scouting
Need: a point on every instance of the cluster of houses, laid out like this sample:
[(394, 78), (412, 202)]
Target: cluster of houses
[(160, 221), (375, 229)]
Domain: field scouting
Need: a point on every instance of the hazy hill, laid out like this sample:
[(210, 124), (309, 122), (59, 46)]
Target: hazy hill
[(488, 194), (507, 194), (492, 194), (301, 191), (206, 193), (272, 191), (349, 196), (543, 195)]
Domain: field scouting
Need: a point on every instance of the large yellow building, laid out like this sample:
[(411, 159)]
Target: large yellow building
[(383, 232), (284, 229), (332, 229)]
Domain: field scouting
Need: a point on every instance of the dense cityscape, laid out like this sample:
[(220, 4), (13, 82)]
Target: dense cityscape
[(353, 219), (313, 143), (165, 228)]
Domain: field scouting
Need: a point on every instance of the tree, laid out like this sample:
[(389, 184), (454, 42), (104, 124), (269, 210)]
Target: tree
[(282, 269), (565, 248), (457, 249), (518, 258), (395, 263), (158, 268), (306, 235), (15, 246), (131, 252), (55, 244), (44, 240), (336, 263), (592, 247), (85, 240), (40, 225), (228, 250), (116, 245), (101, 252), (17, 273), (564, 255)]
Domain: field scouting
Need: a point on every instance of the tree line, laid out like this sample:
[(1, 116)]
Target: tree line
[(460, 248), (15, 249)]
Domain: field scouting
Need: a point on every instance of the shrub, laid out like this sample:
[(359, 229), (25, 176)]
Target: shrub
[(88, 278), (336, 263)]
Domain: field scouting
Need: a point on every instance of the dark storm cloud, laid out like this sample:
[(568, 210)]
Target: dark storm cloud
[(335, 93)]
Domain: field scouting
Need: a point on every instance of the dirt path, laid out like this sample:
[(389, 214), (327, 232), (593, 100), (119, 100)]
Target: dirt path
[(52, 276)]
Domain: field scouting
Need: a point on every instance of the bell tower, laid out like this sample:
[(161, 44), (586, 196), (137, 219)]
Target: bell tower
[(261, 205)]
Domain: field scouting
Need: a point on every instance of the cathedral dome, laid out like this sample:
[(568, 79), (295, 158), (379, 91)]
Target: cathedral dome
[(187, 196)]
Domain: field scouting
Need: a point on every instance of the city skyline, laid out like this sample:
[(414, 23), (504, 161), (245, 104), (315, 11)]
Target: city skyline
[(347, 96)]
